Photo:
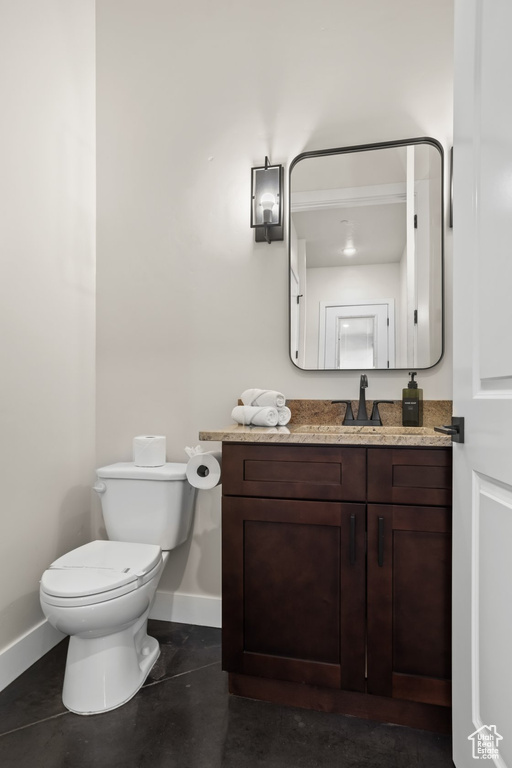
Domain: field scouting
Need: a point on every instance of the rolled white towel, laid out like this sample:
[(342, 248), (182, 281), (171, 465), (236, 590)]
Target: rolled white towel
[(263, 397), (283, 415), (258, 417)]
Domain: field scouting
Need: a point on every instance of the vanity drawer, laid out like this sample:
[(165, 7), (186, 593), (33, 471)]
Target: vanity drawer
[(326, 473), (403, 476)]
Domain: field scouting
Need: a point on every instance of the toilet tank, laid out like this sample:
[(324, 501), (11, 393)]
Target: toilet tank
[(148, 505)]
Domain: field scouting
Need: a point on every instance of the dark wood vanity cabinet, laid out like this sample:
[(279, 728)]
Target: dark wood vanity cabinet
[(294, 573), (336, 578)]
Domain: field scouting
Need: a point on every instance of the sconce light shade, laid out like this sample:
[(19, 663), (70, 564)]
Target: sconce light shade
[(267, 202)]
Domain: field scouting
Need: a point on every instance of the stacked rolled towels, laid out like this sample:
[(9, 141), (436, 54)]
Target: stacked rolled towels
[(262, 408)]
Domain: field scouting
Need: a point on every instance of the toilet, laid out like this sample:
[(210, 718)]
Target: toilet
[(100, 594)]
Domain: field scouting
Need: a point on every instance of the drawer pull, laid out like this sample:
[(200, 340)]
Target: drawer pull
[(381, 542), (352, 540)]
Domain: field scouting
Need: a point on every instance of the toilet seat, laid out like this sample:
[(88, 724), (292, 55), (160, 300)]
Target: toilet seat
[(99, 571)]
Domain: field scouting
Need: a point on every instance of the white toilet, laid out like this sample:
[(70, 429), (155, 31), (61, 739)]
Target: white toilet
[(100, 594)]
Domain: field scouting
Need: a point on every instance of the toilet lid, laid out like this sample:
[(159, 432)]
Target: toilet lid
[(100, 567), (129, 471)]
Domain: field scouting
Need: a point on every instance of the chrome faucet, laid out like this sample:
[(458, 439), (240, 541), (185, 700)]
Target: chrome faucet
[(362, 419)]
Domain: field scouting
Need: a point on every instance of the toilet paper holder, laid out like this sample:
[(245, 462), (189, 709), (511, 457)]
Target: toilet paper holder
[(203, 469)]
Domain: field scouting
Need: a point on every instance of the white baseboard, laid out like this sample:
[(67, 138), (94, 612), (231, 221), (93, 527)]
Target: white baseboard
[(187, 609), (25, 651)]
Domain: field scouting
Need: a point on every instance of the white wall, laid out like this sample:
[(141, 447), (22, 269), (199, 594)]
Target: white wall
[(47, 199), (190, 310)]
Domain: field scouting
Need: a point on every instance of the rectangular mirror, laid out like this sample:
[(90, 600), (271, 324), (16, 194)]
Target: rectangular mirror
[(366, 256)]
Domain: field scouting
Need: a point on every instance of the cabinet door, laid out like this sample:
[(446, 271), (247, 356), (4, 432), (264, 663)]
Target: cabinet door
[(294, 590), (409, 602)]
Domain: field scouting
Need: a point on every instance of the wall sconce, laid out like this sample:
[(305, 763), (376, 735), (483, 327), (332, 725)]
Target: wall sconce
[(267, 202)]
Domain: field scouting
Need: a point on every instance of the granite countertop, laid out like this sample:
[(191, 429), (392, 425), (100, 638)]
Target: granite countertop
[(320, 422), (308, 434)]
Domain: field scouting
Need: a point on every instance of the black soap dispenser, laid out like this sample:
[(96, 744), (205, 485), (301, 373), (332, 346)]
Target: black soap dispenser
[(412, 404)]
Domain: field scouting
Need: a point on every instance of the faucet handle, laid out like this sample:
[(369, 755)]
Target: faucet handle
[(364, 381), (349, 416), (375, 410)]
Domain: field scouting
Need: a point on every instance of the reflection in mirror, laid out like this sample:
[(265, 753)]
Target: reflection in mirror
[(366, 256)]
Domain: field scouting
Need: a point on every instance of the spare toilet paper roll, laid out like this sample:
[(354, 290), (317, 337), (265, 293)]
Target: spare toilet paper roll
[(204, 470), (149, 451)]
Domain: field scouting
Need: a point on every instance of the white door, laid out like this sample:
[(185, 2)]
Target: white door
[(482, 582), (356, 336)]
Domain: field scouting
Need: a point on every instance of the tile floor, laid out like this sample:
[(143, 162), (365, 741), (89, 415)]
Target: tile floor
[(184, 718)]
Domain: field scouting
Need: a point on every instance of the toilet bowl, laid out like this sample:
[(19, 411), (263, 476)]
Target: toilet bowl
[(100, 594)]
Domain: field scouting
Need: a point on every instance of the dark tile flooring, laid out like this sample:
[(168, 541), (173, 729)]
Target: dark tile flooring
[(184, 718)]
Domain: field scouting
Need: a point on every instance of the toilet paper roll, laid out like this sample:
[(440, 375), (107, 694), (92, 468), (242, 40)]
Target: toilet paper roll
[(204, 470), (149, 451)]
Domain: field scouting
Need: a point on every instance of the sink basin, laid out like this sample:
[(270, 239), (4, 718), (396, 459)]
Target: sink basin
[(333, 429)]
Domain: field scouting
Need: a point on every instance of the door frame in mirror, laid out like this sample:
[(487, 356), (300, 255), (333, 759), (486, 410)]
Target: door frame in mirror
[(365, 148)]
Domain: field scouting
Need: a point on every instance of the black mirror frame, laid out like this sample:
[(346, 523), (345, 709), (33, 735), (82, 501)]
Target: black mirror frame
[(364, 148)]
